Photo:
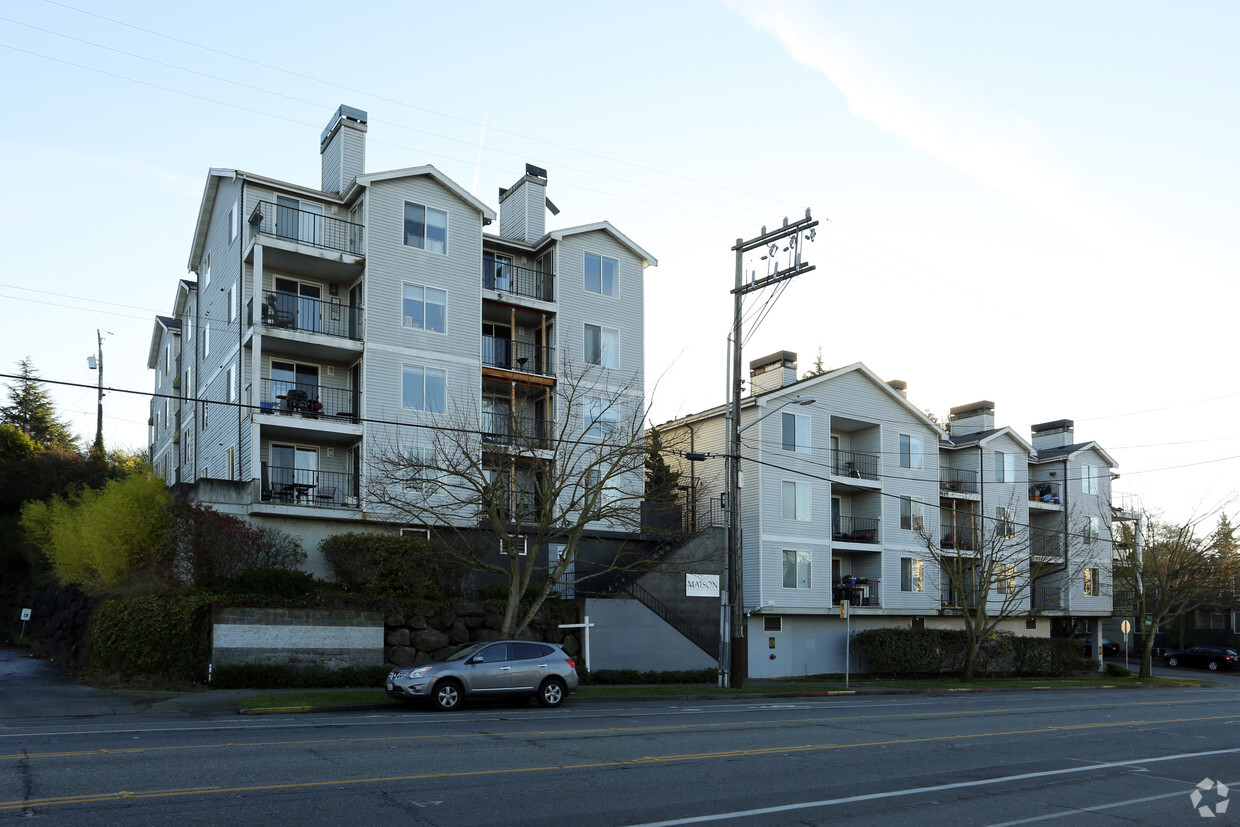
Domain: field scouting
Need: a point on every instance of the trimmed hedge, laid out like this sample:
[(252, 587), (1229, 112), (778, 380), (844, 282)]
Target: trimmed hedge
[(150, 637), (622, 677), (943, 651), (388, 565)]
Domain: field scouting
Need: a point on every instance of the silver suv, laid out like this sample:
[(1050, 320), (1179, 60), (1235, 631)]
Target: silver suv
[(490, 669)]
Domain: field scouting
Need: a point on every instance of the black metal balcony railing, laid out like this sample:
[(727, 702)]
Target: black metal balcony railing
[(280, 396), (957, 481), (963, 538), (1045, 492), (293, 312), (1046, 598), (854, 464), (1043, 543), (499, 428), (300, 486), (519, 356), (305, 227), (854, 529), (861, 593), (519, 281)]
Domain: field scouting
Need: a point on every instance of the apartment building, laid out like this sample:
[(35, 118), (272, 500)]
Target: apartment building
[(851, 493), (325, 326)]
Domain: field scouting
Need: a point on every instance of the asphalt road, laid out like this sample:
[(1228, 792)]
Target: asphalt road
[(1068, 757)]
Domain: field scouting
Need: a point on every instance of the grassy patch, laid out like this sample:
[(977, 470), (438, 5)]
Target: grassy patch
[(947, 684), (282, 700)]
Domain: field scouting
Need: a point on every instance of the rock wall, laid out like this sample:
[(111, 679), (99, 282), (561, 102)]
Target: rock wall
[(425, 630), (58, 616)]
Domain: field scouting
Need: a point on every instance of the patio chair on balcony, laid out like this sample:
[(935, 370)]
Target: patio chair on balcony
[(274, 316), (325, 496)]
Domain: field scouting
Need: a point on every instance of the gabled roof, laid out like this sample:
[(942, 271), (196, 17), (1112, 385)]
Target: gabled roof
[(801, 385), (983, 437), (429, 171), (162, 324), (1066, 451), (606, 226)]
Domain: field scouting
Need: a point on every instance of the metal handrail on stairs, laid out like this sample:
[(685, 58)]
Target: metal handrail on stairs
[(707, 644)]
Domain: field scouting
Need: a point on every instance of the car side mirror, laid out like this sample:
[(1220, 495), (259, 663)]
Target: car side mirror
[(475, 659)]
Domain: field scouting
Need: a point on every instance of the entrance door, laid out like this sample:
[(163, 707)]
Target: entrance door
[(496, 345)]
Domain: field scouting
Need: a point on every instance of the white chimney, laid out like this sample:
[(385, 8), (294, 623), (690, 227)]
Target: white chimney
[(343, 149), (972, 418), (772, 372), (523, 207), (1057, 434)]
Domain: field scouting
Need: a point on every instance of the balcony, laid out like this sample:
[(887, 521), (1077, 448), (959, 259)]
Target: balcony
[(957, 481), (520, 357), (1046, 544), (520, 432), (862, 593), (963, 539), (316, 489), (1045, 494), (1046, 598), (503, 277), (285, 311), (854, 465), (281, 397), (310, 228), (855, 530)]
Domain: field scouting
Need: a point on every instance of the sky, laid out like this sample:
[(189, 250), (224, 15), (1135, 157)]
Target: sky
[(1032, 204)]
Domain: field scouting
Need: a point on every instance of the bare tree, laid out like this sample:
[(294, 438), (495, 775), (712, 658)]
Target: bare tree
[(1170, 574), (990, 567), (499, 482)]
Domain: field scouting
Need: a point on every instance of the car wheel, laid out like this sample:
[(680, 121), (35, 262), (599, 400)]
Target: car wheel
[(1173, 661), (551, 693), (447, 695), (1212, 666)]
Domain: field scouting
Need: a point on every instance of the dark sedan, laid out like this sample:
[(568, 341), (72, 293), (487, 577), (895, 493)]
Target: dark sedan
[(1109, 647), (1213, 658)]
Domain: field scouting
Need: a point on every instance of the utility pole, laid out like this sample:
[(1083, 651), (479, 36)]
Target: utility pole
[(96, 363), (733, 653)]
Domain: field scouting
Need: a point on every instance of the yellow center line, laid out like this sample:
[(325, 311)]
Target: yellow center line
[(644, 728), (91, 798)]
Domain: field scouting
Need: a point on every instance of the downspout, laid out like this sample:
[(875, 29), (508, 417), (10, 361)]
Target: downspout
[(241, 233)]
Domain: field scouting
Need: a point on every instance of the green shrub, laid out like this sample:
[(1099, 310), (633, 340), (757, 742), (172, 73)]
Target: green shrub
[(388, 565), (268, 582), (622, 677), (943, 651), (284, 676), (1049, 657), (155, 637), (1114, 670)]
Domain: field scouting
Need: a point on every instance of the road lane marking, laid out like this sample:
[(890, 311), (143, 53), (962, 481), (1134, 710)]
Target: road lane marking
[(649, 760), (1075, 811), (959, 785)]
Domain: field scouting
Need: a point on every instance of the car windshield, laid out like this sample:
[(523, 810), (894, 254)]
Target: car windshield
[(462, 652)]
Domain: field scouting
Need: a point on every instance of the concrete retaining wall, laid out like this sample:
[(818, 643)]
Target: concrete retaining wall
[(298, 638)]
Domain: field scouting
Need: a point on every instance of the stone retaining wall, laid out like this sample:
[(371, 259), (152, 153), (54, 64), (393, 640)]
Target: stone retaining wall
[(58, 616)]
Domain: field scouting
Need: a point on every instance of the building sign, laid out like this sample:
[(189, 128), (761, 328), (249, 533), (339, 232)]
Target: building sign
[(701, 585)]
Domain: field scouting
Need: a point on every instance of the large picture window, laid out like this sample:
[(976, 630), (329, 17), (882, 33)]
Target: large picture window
[(795, 432), (601, 417), (424, 389), (426, 228), (796, 569), (425, 308), (912, 513), (602, 346), (602, 275), (796, 500), (912, 575), (910, 452)]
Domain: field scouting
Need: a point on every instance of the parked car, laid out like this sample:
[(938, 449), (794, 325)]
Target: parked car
[(492, 669), (1109, 647), (1213, 658)]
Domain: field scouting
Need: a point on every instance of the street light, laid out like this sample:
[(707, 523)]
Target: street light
[(731, 610)]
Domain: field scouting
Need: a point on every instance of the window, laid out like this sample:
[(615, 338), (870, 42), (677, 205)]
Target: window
[(602, 346), (1089, 482), (232, 461), (231, 377), (232, 304), (607, 491), (1004, 527), (602, 275), (167, 358), (424, 389), (1005, 467), (426, 228), (601, 417), (422, 471), (912, 513), (206, 272), (1005, 578), (232, 223), (796, 432), (206, 339), (796, 569), (796, 500), (1092, 582), (1090, 530), (910, 452), (520, 546), (911, 570), (425, 308), (206, 416)]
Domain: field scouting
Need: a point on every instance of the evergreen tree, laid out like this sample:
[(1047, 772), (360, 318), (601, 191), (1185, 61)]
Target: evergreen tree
[(31, 409), (661, 480), (1224, 542), (818, 369)]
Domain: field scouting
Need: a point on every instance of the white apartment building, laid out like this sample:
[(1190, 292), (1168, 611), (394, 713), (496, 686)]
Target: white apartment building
[(325, 325), (844, 482)]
